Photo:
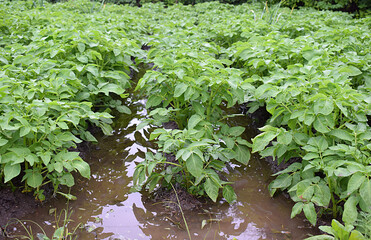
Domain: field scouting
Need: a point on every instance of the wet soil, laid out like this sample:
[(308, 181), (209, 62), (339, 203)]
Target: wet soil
[(14, 205)]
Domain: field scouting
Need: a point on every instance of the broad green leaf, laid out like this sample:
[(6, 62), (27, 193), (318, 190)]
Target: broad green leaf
[(93, 70), (34, 178), (24, 131), (350, 213), (58, 234), (3, 142), (321, 125), (262, 140), (211, 189), (323, 107), (236, 131), (342, 134), (282, 181), (11, 171), (365, 193), (32, 158), (296, 209), (81, 47), (355, 235), (322, 195), (82, 167), (355, 182), (310, 213), (242, 153), (67, 179), (45, 157), (4, 60), (284, 138), (194, 165), (304, 191), (123, 109), (341, 231), (108, 88), (180, 89), (153, 101), (25, 60), (350, 70), (193, 121), (229, 194)]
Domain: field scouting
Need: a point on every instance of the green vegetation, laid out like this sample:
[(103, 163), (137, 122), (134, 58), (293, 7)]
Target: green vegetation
[(63, 67), (57, 78)]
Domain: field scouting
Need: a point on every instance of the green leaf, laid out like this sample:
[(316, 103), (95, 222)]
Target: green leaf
[(123, 109), (211, 189), (242, 154), (350, 213), (323, 107), (25, 60), (45, 157), (193, 121), (342, 134), (284, 138), (82, 167), (153, 101), (93, 70), (310, 213), (180, 89), (108, 88), (355, 182), (350, 70), (365, 193), (81, 47), (34, 178), (321, 237), (304, 190), (58, 234), (321, 125), (229, 194), (282, 181), (322, 195), (11, 171), (194, 165), (32, 158), (24, 131), (68, 196), (67, 179), (262, 140), (4, 60), (355, 235), (236, 131), (3, 142), (296, 209)]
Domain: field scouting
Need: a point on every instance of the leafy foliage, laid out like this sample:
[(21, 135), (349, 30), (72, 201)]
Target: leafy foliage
[(54, 74)]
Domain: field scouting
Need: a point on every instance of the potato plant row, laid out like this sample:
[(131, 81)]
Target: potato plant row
[(60, 74)]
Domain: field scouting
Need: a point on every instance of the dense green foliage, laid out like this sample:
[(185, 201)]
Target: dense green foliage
[(57, 76), (64, 65)]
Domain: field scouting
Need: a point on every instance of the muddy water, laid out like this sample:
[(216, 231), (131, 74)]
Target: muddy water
[(107, 210)]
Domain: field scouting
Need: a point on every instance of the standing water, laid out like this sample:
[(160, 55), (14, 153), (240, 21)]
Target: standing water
[(107, 209)]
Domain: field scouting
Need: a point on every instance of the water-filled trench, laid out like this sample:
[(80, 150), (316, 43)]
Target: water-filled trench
[(106, 209)]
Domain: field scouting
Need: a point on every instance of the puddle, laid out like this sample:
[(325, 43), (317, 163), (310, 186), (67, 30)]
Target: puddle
[(108, 210)]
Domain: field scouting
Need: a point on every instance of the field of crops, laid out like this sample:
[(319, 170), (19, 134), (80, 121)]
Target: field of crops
[(64, 69)]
